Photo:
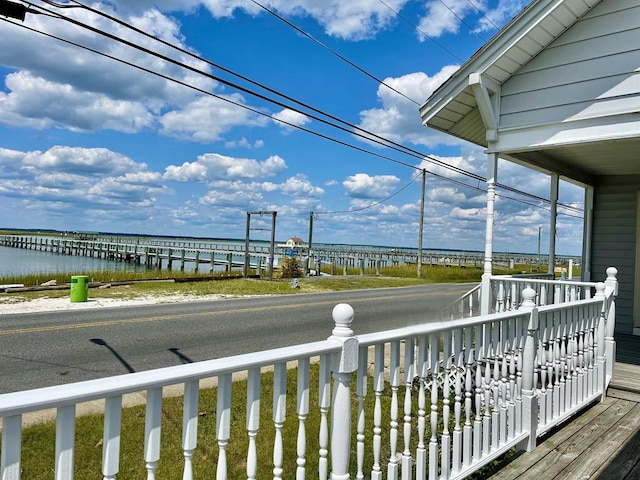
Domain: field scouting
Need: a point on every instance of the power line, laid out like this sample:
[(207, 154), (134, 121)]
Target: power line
[(360, 132), (421, 31), (367, 135), (483, 15), (341, 57), (378, 202), (461, 20)]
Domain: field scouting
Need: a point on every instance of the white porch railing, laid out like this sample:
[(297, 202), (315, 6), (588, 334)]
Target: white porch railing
[(448, 397)]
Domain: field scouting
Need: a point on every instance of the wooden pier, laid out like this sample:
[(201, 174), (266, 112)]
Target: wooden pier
[(228, 256)]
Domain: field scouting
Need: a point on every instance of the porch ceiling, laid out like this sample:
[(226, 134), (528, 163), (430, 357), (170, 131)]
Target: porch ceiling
[(585, 161)]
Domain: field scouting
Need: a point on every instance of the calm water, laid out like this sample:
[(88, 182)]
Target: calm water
[(16, 261)]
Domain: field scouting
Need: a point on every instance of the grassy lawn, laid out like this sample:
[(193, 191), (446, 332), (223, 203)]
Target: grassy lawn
[(39, 440), (156, 282)]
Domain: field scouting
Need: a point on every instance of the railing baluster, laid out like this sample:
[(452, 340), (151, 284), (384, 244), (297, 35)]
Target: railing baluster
[(551, 391), (468, 397), (478, 421), (423, 367), (513, 354), (11, 445), (189, 427), (223, 423), (458, 356), (253, 420), (65, 437), (378, 387), (279, 415), (152, 425), (303, 411), (324, 400), (434, 351), (486, 419), (409, 373), (361, 393), (111, 437), (394, 381), (445, 460)]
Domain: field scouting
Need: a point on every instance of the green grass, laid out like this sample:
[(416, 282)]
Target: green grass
[(38, 453)]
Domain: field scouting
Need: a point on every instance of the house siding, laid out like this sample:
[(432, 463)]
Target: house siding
[(590, 71), (614, 239)]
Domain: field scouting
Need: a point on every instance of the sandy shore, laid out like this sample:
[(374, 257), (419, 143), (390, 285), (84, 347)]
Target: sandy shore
[(11, 305)]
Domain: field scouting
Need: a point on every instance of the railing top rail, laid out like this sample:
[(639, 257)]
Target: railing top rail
[(17, 403), (569, 305), (547, 281)]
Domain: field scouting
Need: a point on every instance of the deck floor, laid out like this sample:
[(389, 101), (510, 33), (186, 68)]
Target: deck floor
[(603, 443)]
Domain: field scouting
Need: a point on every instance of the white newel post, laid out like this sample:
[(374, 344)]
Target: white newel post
[(529, 396), (601, 359), (611, 286), (485, 290), (343, 364)]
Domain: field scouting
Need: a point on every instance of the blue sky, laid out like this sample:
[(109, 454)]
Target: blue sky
[(88, 143)]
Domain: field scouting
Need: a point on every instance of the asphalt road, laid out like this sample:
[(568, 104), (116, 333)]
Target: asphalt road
[(43, 349)]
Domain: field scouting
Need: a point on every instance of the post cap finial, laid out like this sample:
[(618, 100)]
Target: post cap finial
[(600, 289), (612, 272), (528, 295), (342, 316)]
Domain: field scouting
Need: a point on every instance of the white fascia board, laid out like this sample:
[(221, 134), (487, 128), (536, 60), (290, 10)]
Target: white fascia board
[(567, 133)]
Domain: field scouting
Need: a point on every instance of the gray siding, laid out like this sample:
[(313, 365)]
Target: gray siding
[(614, 239), (588, 72)]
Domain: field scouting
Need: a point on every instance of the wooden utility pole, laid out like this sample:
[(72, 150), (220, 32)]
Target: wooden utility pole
[(310, 242), (421, 227), (245, 270)]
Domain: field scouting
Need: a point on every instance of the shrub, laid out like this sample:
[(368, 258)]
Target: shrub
[(291, 268)]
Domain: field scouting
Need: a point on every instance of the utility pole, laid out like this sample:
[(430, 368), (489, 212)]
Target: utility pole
[(539, 232), (310, 242), (420, 228)]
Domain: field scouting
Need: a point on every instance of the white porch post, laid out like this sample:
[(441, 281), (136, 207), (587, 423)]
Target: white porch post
[(492, 170), (553, 221), (587, 234), (343, 365)]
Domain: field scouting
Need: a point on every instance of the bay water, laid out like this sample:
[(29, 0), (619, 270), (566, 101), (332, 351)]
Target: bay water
[(18, 261)]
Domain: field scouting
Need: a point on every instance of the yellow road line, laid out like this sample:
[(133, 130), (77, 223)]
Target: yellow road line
[(128, 321)]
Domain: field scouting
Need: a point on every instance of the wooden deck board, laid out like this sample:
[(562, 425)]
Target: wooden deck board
[(602, 443), (556, 451), (604, 451)]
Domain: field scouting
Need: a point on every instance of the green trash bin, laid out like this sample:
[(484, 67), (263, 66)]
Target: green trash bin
[(79, 288)]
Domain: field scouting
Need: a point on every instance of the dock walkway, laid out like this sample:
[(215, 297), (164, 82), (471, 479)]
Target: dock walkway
[(603, 443)]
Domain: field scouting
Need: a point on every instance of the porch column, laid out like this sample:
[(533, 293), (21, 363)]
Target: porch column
[(553, 221), (587, 234), (492, 173)]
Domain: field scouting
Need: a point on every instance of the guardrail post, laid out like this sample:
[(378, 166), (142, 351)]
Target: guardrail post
[(342, 365), (600, 343), (485, 294), (611, 285), (529, 396)]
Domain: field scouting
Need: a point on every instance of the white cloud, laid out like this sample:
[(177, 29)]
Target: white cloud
[(37, 103), (398, 118), (205, 119), (352, 20), (442, 18), (300, 185), (362, 185), (290, 118), (76, 160), (243, 199), (212, 166), (65, 178)]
